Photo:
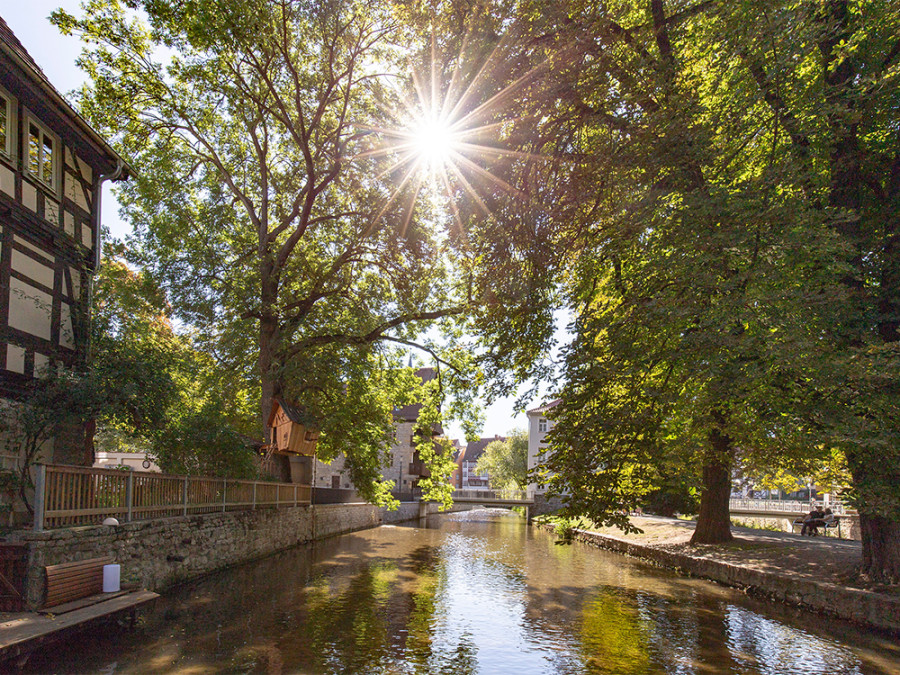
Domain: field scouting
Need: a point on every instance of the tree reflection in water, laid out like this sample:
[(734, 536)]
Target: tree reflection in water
[(480, 594), (614, 637)]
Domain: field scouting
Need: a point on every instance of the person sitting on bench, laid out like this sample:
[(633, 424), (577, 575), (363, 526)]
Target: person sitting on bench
[(815, 515), (823, 522)]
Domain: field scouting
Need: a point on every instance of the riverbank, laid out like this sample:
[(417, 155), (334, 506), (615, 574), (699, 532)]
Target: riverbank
[(160, 554), (817, 573)]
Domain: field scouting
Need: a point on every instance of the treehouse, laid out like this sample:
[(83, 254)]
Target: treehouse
[(291, 450), (291, 432)]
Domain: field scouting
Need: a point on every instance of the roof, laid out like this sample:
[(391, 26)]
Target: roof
[(295, 413), (475, 449), (410, 413), (9, 38), (11, 45), (544, 408)]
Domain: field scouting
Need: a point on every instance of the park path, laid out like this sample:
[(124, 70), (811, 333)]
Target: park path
[(823, 558)]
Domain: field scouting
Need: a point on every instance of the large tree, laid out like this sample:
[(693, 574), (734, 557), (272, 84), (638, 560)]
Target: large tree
[(262, 203), (726, 232), (506, 461)]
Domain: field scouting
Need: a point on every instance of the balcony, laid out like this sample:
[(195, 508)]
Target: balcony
[(418, 468)]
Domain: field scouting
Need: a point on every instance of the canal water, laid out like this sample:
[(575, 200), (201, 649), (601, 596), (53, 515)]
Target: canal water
[(475, 592)]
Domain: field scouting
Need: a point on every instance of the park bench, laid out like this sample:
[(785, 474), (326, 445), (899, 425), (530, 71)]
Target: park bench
[(75, 580), (833, 525)]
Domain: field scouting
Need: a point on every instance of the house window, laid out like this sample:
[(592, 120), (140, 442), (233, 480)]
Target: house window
[(42, 154), (5, 124), (542, 425)]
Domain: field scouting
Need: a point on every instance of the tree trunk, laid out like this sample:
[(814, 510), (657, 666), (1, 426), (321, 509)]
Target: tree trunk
[(880, 534), (268, 339), (881, 548), (714, 521)]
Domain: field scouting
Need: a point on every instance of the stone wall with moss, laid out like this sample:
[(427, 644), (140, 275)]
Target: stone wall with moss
[(158, 554)]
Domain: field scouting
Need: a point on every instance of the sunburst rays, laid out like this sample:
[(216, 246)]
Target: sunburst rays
[(448, 135)]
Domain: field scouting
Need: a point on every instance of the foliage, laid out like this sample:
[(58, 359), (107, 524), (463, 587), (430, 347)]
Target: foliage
[(200, 442), (672, 495), (506, 461), (828, 474), (262, 206), (62, 401), (564, 526), (722, 191), (161, 392), (756, 525)]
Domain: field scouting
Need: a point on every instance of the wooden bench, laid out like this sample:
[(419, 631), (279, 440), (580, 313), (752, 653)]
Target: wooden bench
[(834, 524), (75, 580)]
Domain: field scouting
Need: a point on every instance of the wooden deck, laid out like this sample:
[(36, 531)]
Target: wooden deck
[(28, 631)]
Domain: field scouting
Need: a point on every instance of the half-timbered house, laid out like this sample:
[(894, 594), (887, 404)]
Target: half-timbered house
[(52, 167)]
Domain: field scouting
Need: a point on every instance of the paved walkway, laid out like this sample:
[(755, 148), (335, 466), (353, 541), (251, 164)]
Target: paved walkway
[(812, 558)]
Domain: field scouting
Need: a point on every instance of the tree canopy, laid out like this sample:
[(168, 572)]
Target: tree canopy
[(711, 188), (718, 205), (506, 461), (268, 206)]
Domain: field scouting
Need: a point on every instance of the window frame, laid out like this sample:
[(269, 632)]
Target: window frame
[(9, 151), (45, 132), (543, 425)]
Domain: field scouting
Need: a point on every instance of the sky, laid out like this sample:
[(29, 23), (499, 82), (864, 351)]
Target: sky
[(56, 55)]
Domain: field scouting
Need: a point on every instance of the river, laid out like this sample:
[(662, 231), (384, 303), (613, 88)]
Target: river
[(476, 592)]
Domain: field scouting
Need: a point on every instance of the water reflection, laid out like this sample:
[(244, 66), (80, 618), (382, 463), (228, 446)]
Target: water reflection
[(477, 593)]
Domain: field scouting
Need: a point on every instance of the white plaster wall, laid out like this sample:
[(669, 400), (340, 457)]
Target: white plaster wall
[(7, 181), (33, 269), (535, 447), (29, 309)]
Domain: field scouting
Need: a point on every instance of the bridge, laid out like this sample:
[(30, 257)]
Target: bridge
[(782, 508), (500, 498)]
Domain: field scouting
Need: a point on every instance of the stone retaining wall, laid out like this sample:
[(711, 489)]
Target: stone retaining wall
[(158, 554), (875, 609), (544, 505)]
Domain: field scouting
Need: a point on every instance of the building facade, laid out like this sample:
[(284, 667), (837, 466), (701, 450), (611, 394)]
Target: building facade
[(136, 461), (469, 477), (538, 426), (52, 166), (404, 465)]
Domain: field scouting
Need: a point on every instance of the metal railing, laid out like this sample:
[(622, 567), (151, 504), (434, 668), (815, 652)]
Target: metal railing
[(69, 496), (783, 506), (506, 495)]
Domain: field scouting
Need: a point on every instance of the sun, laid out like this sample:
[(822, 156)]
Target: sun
[(444, 137), (433, 142)]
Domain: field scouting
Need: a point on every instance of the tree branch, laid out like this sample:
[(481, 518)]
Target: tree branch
[(373, 335)]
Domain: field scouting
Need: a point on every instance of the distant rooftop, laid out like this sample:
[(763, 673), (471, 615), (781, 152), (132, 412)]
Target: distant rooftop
[(544, 408), (410, 413), (475, 449)]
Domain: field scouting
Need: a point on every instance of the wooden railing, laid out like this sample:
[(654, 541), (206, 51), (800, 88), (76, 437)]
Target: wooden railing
[(69, 496)]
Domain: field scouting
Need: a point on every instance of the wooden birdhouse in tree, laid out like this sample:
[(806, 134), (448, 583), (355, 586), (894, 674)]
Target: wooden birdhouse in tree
[(290, 430)]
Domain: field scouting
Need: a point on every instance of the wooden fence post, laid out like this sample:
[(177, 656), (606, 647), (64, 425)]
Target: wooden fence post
[(184, 494), (40, 482), (254, 495), (224, 493), (295, 494), (129, 496)]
